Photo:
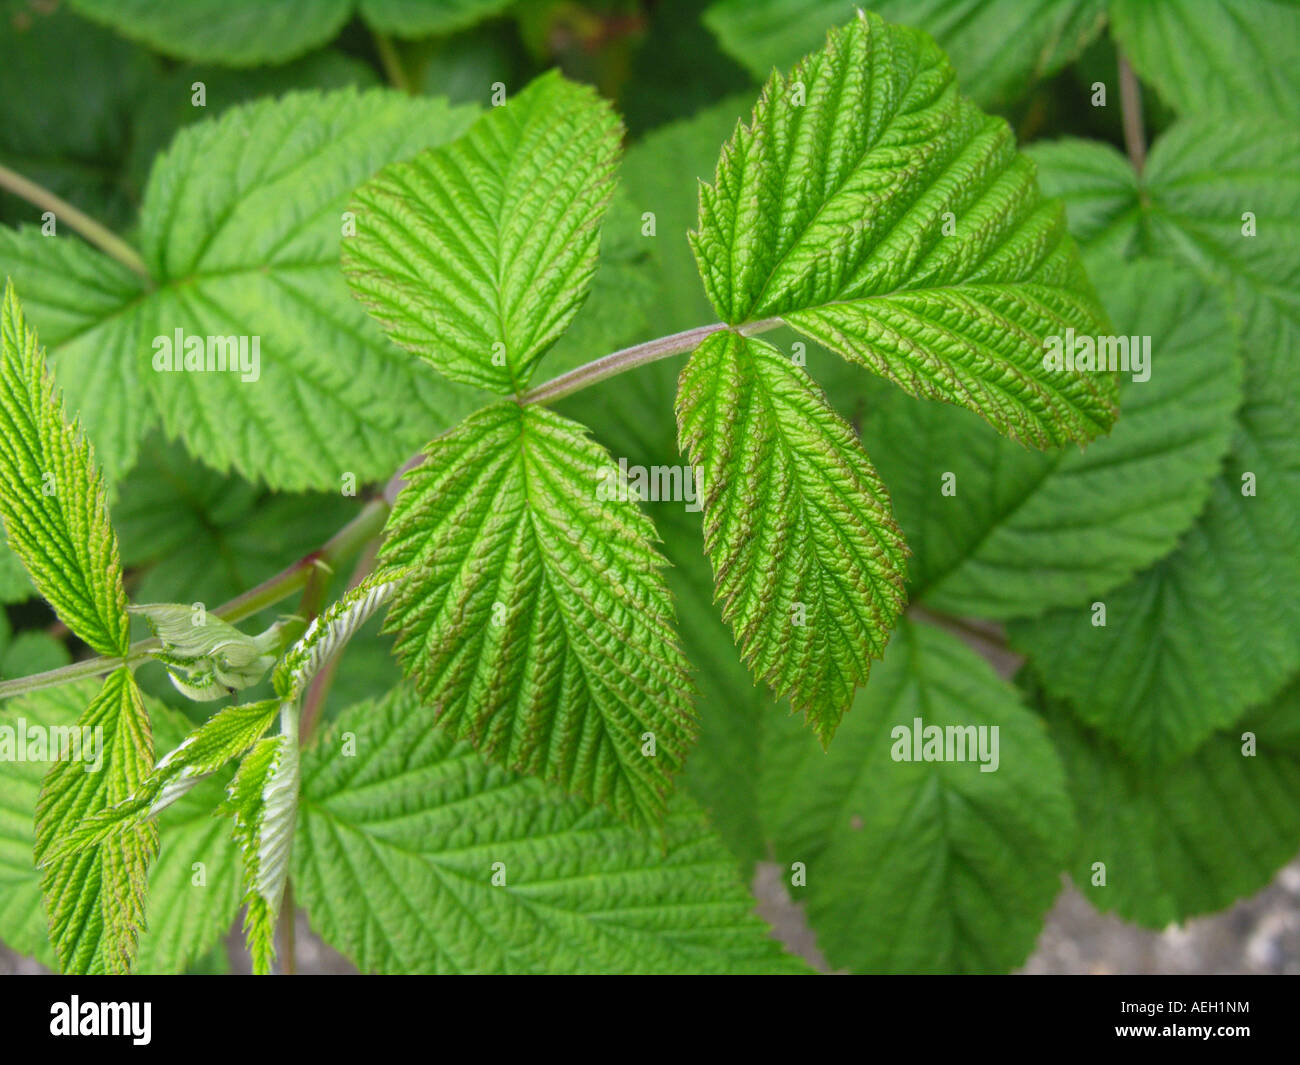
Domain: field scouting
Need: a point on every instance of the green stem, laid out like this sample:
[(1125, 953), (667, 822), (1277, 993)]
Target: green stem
[(350, 539), (392, 63), (638, 355), (101, 236)]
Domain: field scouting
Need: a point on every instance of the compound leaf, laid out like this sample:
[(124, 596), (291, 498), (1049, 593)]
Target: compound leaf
[(807, 559), (53, 503), (881, 213), (536, 614), (477, 255), (487, 871)]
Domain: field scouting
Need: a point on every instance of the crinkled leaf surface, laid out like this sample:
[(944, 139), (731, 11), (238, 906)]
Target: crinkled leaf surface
[(807, 560), (477, 255), (240, 229), (576, 891), (536, 614), (52, 494), (1022, 531), (263, 799), (881, 213), (188, 909), (95, 898)]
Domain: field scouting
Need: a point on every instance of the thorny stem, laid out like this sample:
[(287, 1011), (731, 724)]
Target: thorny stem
[(101, 236), (1130, 99)]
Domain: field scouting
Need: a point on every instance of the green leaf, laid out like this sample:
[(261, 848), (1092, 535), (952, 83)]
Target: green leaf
[(330, 630), (1220, 617), (419, 18), (238, 32), (207, 658), (879, 212), (1215, 56), (263, 798), (245, 33), (53, 504), (96, 898), (922, 866), (536, 614), (1195, 836), (575, 891), (807, 559), (188, 910), (1022, 531), (477, 256), (84, 304), (219, 740), (240, 230), (997, 46)]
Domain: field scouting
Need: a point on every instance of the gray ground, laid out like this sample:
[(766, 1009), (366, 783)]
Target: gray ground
[(1258, 935)]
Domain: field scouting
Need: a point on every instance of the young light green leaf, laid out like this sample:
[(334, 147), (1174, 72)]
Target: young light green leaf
[(263, 798), (998, 531), (52, 495), (1193, 837), (207, 658), (219, 740), (807, 559), (882, 214), (96, 898), (1220, 57), (536, 614), (330, 630), (477, 255), (490, 872), (194, 889), (918, 857), (997, 46)]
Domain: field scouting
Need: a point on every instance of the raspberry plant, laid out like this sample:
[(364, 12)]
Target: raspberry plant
[(595, 733)]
